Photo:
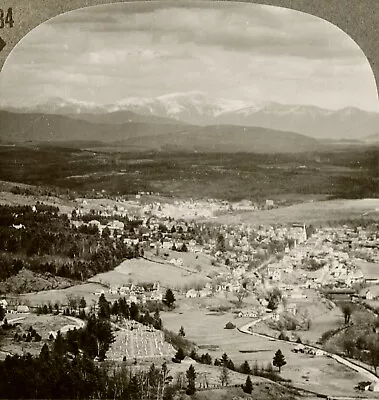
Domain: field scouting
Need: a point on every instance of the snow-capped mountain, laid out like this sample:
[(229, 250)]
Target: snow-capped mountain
[(55, 105), (199, 109), (348, 123), (193, 107)]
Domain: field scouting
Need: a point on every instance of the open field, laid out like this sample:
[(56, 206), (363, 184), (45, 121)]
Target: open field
[(320, 374), (141, 270), (317, 212), (199, 263), (329, 320), (85, 290), (369, 270), (319, 325)]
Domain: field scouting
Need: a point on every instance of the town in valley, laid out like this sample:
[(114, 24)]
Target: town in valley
[(189, 205)]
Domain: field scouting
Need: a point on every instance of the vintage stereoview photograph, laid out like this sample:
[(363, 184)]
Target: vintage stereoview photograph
[(189, 206)]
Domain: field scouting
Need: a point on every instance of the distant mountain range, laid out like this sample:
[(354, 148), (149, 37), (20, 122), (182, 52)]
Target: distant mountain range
[(145, 136), (374, 138), (195, 108)]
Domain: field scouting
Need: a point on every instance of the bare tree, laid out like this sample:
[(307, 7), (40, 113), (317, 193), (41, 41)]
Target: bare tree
[(347, 310), (180, 380), (224, 376), (241, 294), (72, 302), (373, 348)]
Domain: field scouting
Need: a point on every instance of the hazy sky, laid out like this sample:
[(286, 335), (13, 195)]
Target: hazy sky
[(236, 51)]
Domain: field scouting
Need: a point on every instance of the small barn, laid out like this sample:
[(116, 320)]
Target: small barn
[(229, 325)]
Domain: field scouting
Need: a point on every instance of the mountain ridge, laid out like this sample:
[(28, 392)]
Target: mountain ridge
[(19, 128), (195, 108)]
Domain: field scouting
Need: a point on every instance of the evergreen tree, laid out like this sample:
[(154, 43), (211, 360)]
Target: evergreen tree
[(59, 345), (248, 387), (230, 365), (206, 359), (181, 332), (279, 361), (180, 354), (194, 355), (2, 313), (169, 298), (184, 248), (191, 379), (82, 303), (104, 307), (134, 311), (245, 368), (44, 354), (224, 359), (157, 320)]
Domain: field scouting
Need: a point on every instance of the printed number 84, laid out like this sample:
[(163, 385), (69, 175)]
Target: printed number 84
[(6, 18)]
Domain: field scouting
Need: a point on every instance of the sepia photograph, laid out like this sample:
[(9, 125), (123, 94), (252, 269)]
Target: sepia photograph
[(189, 205)]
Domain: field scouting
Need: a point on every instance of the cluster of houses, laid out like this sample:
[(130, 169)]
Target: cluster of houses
[(136, 293), (17, 309), (300, 348), (203, 292), (317, 261)]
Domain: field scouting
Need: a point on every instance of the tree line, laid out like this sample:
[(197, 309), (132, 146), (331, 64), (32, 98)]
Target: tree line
[(74, 253)]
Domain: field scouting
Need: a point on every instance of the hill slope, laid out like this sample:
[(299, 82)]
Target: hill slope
[(226, 139), (19, 127), (374, 138), (148, 136)]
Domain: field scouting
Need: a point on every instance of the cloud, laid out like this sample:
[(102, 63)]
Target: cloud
[(244, 27), (147, 49)]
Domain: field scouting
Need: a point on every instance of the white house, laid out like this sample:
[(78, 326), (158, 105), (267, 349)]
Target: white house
[(192, 293), (369, 295), (275, 316), (23, 309), (374, 387), (156, 296), (291, 308)]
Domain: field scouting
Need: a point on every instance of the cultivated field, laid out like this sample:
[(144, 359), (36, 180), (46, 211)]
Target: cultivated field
[(320, 374), (136, 341)]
